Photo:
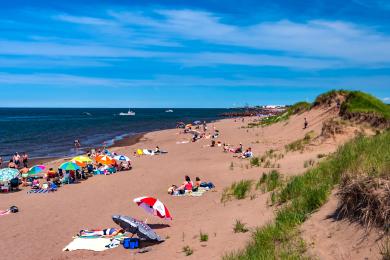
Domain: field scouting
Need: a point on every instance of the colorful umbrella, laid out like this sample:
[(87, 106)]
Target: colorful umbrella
[(138, 227), (7, 174), (81, 160), (36, 169), (153, 206), (122, 158), (104, 159), (69, 166)]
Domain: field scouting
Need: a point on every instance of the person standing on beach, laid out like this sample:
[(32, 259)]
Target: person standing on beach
[(77, 143), (305, 124), (16, 159), (25, 160), (1, 161)]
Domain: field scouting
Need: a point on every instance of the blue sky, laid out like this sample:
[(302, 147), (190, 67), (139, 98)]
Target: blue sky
[(181, 53)]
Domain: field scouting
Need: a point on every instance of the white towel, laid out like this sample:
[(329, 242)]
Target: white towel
[(94, 244)]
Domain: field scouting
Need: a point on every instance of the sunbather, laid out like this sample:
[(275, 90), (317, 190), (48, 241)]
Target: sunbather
[(108, 232), (248, 153), (186, 186)]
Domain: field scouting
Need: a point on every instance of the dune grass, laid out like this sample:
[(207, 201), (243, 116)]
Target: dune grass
[(330, 95), (360, 102), (239, 227), (269, 181), (238, 190), (299, 144), (306, 193)]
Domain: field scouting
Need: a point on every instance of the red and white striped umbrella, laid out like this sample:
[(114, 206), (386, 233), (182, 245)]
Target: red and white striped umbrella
[(154, 206)]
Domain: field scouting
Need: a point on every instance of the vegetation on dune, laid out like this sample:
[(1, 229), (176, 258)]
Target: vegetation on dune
[(306, 193), (328, 97), (238, 190), (297, 108), (299, 144), (239, 227), (269, 181), (360, 102)]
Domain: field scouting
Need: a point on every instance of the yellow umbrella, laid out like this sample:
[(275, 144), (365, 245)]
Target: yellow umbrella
[(81, 160)]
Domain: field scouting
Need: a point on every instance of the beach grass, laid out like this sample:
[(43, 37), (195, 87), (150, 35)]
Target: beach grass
[(306, 193), (238, 190), (299, 144), (203, 237), (187, 250), (255, 161), (360, 102), (269, 181), (240, 227)]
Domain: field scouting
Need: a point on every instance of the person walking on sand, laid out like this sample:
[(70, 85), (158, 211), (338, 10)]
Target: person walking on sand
[(305, 124), (1, 161), (16, 159)]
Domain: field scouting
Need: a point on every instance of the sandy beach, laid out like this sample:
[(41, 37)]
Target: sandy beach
[(47, 222)]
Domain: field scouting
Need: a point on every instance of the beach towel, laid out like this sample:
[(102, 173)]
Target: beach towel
[(40, 191), (148, 152), (4, 212), (93, 244), (198, 193), (139, 152)]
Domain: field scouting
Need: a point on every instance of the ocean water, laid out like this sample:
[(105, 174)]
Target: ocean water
[(50, 132)]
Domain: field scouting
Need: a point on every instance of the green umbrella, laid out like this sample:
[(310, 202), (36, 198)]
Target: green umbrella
[(69, 166), (7, 174)]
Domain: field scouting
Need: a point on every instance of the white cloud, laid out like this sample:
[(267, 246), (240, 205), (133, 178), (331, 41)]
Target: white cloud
[(386, 99)]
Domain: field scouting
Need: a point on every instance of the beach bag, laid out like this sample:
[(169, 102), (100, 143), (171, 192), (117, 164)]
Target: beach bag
[(131, 243)]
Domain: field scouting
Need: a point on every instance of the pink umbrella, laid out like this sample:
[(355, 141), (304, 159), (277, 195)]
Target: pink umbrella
[(154, 206)]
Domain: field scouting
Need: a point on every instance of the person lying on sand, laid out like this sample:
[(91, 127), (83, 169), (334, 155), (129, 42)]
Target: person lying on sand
[(107, 232)]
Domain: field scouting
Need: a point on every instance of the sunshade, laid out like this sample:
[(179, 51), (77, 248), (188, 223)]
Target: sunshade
[(36, 169), (154, 206), (138, 227), (104, 159), (69, 166), (122, 158), (7, 174), (197, 122), (188, 125), (81, 160)]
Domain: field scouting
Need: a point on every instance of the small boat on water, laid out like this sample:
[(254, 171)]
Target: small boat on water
[(86, 114), (169, 111), (128, 113)]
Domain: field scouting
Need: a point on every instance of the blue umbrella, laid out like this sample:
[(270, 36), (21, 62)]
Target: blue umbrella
[(7, 174)]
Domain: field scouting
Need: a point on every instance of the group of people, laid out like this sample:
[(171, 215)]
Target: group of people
[(16, 161), (189, 186)]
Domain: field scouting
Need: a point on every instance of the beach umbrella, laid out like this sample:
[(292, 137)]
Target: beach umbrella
[(36, 169), (188, 126), (138, 227), (104, 159), (122, 158), (69, 166), (154, 207), (197, 122), (81, 160), (7, 174)]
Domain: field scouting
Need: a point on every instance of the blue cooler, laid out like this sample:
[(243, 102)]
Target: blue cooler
[(131, 243)]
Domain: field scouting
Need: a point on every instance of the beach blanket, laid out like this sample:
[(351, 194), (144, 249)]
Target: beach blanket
[(40, 191), (94, 244), (198, 193)]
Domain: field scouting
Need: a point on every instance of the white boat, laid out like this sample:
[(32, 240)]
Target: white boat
[(169, 111), (128, 113)]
